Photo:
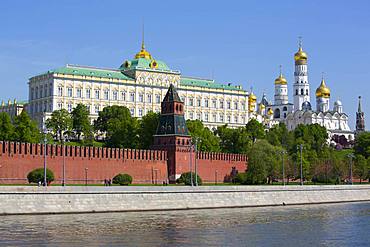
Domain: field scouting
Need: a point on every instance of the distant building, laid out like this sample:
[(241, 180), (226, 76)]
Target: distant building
[(13, 108), (140, 84), (360, 118)]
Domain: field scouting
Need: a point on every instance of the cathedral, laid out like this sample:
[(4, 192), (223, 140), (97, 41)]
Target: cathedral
[(301, 111)]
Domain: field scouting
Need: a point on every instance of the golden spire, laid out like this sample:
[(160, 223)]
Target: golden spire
[(143, 53), (322, 90), (281, 79)]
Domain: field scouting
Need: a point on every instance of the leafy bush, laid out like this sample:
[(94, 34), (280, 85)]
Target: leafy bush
[(122, 179), (185, 178), (241, 178), (38, 175)]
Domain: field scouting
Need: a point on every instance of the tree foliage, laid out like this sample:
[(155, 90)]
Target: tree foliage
[(81, 123), (207, 141), (6, 127), (59, 123), (26, 129), (362, 144), (148, 127), (37, 175), (122, 179), (187, 178)]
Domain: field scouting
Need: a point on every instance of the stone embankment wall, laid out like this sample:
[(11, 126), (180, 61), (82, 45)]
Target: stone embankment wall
[(34, 200)]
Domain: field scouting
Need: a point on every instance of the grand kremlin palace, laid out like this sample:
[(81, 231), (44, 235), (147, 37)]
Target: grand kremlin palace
[(139, 84)]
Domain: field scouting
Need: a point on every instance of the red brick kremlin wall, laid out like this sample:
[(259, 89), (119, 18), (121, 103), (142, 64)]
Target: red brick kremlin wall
[(145, 166)]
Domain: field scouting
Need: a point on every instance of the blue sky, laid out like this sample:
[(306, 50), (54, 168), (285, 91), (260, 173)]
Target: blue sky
[(242, 42)]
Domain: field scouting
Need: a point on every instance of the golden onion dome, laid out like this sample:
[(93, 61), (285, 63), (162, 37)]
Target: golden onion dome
[(300, 56), (262, 106), (280, 80), (143, 53), (270, 112), (323, 90), (252, 97)]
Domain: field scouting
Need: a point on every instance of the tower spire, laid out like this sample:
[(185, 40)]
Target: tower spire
[(281, 73), (300, 42), (142, 38), (359, 104)]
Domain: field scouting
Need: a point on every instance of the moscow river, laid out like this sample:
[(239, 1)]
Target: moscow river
[(313, 225)]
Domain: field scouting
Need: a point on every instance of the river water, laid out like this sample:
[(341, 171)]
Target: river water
[(314, 225)]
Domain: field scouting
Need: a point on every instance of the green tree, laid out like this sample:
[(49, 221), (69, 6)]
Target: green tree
[(6, 127), (234, 140), (148, 127), (361, 167), (60, 123), (207, 141), (121, 130), (362, 144), (81, 123), (187, 177), (255, 129), (122, 179), (26, 129)]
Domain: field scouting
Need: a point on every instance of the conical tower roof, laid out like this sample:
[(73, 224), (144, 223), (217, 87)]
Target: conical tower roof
[(172, 95)]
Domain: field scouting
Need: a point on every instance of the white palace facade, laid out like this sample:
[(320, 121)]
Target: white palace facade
[(139, 84)]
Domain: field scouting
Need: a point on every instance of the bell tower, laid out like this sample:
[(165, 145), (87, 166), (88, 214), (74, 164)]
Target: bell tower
[(301, 87), (172, 134)]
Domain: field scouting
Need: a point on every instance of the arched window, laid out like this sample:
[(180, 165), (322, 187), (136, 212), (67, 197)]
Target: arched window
[(285, 108), (296, 92), (302, 91), (277, 113), (306, 91)]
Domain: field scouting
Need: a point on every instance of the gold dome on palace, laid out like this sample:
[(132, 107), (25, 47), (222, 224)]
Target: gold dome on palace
[(300, 55), (281, 80), (323, 90), (143, 53), (270, 112)]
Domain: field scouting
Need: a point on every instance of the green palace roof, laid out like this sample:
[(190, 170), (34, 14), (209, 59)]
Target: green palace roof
[(90, 71), (206, 83), (144, 63)]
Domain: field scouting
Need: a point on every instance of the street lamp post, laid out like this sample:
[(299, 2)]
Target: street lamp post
[(64, 162), (190, 163), (196, 163), (300, 147), (45, 142), (86, 169), (350, 156), (282, 159)]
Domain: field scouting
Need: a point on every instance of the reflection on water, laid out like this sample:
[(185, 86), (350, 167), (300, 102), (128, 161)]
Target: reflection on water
[(321, 225)]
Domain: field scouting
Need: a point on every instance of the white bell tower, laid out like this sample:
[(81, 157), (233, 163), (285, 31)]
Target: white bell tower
[(301, 87)]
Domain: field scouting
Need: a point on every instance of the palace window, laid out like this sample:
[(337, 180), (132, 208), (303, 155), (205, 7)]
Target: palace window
[(199, 102), (149, 98), (243, 106), (132, 97), (206, 117), (97, 108), (141, 97), (228, 105), (132, 112), (214, 103), (214, 117), (32, 93), (69, 92), (228, 119), (60, 91), (191, 101), (221, 118), (115, 95), (235, 119), (106, 94), (221, 104), (123, 95), (88, 93), (50, 89), (88, 107), (46, 91), (157, 98), (60, 106), (140, 112), (199, 116), (36, 93), (236, 105), (41, 91), (78, 93), (97, 94), (191, 115), (69, 107), (206, 102)]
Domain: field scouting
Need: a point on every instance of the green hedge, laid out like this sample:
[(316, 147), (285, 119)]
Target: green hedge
[(185, 178), (37, 175), (122, 179)]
